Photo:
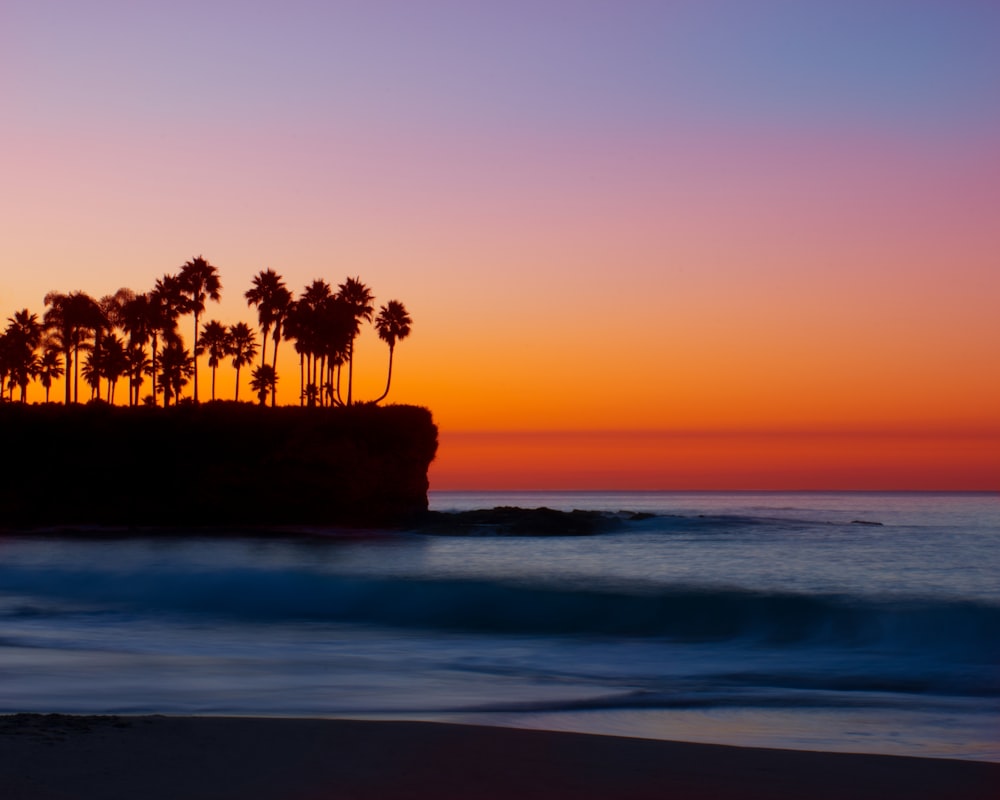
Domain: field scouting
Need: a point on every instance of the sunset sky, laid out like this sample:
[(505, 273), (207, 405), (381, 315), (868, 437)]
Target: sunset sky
[(645, 244)]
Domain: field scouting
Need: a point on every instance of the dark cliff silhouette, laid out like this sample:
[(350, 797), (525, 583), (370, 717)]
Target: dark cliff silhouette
[(215, 463)]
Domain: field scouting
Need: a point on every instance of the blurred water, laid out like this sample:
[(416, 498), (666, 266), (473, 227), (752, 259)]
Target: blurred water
[(772, 619)]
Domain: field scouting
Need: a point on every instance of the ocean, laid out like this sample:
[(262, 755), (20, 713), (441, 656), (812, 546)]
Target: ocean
[(856, 622)]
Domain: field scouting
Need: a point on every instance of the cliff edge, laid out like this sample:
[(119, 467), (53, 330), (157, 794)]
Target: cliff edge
[(213, 464)]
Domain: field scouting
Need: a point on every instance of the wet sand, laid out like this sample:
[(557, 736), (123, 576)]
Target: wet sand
[(55, 756)]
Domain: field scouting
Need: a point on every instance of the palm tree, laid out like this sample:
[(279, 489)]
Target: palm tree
[(166, 303), (359, 297), (92, 372), (301, 325), (262, 382), (138, 320), (49, 369), (393, 325), (243, 349), (114, 363), (215, 340), (70, 320), (199, 281), (267, 286), (176, 366), (138, 365), (21, 340)]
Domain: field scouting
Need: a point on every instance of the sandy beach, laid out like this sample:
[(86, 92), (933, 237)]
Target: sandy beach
[(50, 757)]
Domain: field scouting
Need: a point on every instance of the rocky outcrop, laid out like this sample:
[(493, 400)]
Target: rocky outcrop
[(216, 463)]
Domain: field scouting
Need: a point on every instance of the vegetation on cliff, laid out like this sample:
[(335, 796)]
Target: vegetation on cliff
[(130, 336)]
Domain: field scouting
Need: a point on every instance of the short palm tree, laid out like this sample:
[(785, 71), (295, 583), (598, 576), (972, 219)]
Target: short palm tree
[(243, 349), (138, 365), (114, 363), (70, 320), (21, 340), (393, 325), (176, 366), (166, 303), (138, 320), (262, 382), (215, 341), (49, 369), (199, 281)]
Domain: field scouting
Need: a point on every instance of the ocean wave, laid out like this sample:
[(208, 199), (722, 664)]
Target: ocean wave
[(964, 628)]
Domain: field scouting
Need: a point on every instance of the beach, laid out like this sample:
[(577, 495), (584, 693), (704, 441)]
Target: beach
[(55, 756)]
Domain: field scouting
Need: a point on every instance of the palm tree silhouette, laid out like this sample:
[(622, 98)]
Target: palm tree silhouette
[(114, 363), (138, 320), (359, 297), (176, 366), (243, 349), (303, 325), (20, 340), (165, 304), (215, 340), (49, 369), (199, 281), (266, 292), (70, 319), (138, 365), (262, 382), (393, 325)]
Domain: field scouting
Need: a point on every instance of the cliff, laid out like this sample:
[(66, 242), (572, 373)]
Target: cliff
[(214, 464)]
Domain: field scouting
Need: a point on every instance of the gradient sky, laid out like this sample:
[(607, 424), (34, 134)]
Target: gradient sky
[(675, 244)]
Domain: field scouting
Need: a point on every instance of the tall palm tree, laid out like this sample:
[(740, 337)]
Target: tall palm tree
[(199, 281), (359, 297), (393, 325), (215, 340), (70, 319), (243, 349)]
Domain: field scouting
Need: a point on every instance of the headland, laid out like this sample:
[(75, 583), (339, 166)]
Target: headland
[(215, 463)]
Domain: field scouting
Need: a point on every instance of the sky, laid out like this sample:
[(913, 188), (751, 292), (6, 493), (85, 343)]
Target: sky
[(712, 244)]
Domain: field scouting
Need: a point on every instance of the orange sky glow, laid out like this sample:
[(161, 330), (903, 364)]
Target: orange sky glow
[(633, 260)]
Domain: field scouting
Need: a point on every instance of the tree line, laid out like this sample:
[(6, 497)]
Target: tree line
[(130, 336)]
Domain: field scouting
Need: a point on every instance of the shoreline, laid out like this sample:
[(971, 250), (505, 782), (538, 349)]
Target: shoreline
[(49, 756)]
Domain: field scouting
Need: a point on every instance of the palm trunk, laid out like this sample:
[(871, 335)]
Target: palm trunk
[(213, 383), (388, 379), (350, 371), (69, 371), (76, 374), (237, 397), (274, 366), (194, 353), (154, 369)]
